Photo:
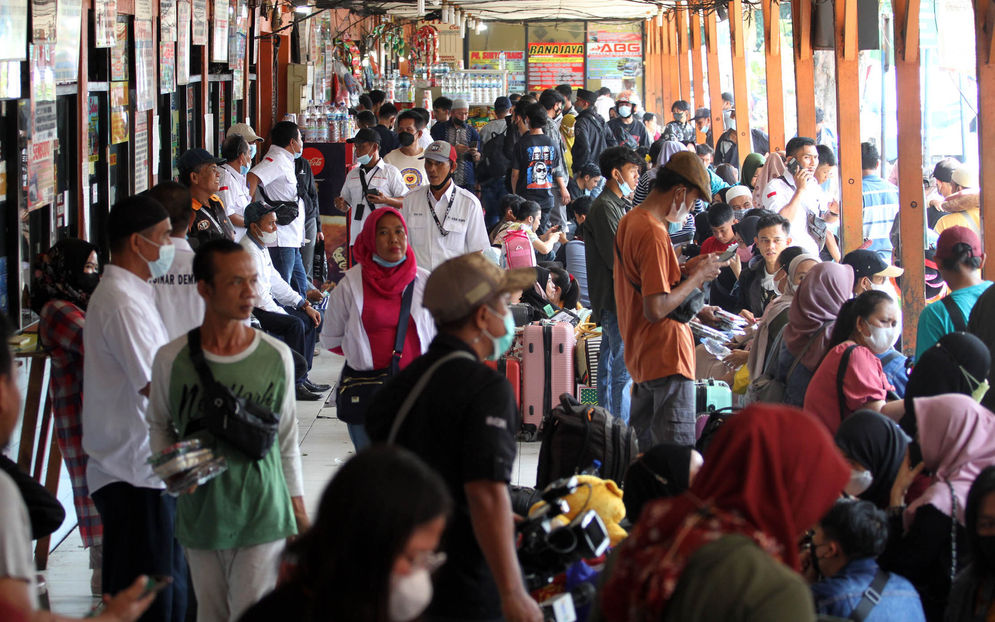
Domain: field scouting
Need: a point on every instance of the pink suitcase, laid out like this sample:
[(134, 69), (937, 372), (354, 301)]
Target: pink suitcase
[(547, 371)]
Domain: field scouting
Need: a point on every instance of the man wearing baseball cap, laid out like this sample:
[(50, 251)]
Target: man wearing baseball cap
[(960, 260), (648, 288), (871, 272), (963, 205), (444, 220), (200, 173), (463, 423), (371, 184), (245, 131), (464, 137), (703, 123)]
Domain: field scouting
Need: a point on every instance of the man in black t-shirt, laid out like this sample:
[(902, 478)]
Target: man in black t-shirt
[(462, 424), (536, 164)]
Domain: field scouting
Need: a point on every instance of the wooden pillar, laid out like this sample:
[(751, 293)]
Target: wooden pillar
[(264, 86), (801, 27), (205, 97), (912, 204), (984, 24), (714, 83), (82, 130), (650, 68), (681, 26), (848, 120), (667, 77), (675, 54), (698, 76), (743, 137), (775, 87)]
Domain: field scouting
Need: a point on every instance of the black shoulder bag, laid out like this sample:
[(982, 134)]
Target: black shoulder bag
[(286, 211), (955, 313), (684, 311), (840, 376), (242, 423), (357, 388), (871, 596)]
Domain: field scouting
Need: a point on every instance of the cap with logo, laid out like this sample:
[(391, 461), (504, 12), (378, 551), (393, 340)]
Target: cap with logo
[(954, 236), (245, 131), (365, 135), (463, 283), (868, 263), (192, 159), (440, 151)]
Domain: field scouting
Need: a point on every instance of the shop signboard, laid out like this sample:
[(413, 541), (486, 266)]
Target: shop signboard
[(614, 53), (514, 63), (551, 64)]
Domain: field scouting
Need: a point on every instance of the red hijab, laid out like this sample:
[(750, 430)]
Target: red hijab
[(387, 282), (774, 472)]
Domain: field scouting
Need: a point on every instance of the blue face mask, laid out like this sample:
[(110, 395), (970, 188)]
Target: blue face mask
[(242, 170), (674, 227), (587, 192), (298, 154), (502, 343), (380, 261), (624, 111), (161, 265), (625, 189), (252, 150), (364, 159)]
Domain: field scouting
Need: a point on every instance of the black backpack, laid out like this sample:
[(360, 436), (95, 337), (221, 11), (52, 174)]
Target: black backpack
[(493, 162), (574, 435)]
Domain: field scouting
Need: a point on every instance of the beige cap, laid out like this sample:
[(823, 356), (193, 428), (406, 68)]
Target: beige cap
[(688, 165), (245, 131), (463, 283), (965, 176)]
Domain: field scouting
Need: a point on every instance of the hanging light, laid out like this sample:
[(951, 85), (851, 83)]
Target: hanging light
[(445, 13), (421, 8), (659, 18), (462, 24)]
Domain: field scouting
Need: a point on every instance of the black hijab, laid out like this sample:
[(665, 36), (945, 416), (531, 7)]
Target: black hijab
[(663, 471), (877, 443), (938, 370)]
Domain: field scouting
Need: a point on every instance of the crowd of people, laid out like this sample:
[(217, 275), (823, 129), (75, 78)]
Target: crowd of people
[(853, 482)]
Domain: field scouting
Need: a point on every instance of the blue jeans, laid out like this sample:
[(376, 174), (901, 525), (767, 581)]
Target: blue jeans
[(614, 383), (290, 265), (357, 434), (491, 193)]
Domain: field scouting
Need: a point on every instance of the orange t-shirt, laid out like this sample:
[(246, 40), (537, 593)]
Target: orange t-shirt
[(658, 349)]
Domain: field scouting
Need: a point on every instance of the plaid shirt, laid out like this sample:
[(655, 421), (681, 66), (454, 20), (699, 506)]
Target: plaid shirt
[(61, 334)]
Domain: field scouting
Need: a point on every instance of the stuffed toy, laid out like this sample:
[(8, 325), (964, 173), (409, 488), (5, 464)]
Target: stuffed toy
[(601, 495)]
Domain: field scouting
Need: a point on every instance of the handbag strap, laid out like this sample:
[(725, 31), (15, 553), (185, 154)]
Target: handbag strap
[(871, 596), (953, 531), (197, 356), (621, 263), (840, 374), (402, 328), (366, 192), (956, 315), (417, 390)]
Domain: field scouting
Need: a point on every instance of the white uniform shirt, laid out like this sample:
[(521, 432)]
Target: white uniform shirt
[(234, 193), (383, 177), (464, 225), (778, 194), (343, 325), (270, 286), (276, 174), (176, 297), (123, 333)]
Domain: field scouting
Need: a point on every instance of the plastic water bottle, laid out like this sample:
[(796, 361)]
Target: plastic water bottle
[(332, 125)]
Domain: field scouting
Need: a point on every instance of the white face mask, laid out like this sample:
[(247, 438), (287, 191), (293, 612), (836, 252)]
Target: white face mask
[(881, 338), (859, 482), (410, 595), (682, 213), (267, 237)]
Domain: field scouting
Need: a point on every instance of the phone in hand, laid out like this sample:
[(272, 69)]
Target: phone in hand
[(793, 166), (729, 253)]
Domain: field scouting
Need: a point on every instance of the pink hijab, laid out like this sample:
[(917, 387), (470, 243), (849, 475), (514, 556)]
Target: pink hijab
[(955, 434), (772, 169), (817, 301)]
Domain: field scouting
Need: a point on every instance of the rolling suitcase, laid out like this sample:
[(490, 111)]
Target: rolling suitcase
[(512, 370), (547, 371), (711, 395)]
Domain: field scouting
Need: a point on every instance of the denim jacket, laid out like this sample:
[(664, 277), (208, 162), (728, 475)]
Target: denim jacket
[(839, 595)]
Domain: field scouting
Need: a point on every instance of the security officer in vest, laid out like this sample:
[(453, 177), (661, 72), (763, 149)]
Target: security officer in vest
[(199, 171)]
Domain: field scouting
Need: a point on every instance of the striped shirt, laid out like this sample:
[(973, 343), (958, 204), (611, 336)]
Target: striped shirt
[(880, 209)]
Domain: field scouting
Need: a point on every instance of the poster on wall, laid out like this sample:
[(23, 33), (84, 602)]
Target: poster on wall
[(219, 37), (119, 112), (551, 64), (199, 23), (42, 72), (167, 68), (450, 43), (145, 73), (119, 54), (104, 21), (141, 146), (182, 42), (43, 16), (13, 29), (41, 174), (144, 10), (613, 52), (514, 63), (70, 14), (167, 20)]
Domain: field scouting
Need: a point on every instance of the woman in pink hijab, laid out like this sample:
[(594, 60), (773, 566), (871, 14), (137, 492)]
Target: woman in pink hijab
[(772, 169), (927, 541), (810, 324)]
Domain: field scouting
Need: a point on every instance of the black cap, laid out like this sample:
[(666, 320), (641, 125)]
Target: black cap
[(365, 135), (133, 214), (868, 263), (944, 170), (702, 113), (193, 159), (586, 96), (255, 211)]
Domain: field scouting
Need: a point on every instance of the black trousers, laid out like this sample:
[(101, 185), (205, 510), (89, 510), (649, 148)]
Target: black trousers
[(295, 329), (138, 539)]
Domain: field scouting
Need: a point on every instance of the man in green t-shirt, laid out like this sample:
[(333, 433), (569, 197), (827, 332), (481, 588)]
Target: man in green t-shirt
[(232, 528)]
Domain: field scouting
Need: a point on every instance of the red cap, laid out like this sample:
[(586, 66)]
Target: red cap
[(953, 236)]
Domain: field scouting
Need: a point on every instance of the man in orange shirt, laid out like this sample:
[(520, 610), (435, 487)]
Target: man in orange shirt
[(659, 351)]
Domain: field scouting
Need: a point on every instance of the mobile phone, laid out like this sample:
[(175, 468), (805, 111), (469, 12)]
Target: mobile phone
[(793, 166), (373, 191), (728, 254), (156, 583)]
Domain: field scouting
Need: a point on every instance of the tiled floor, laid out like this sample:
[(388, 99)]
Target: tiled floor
[(325, 445)]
